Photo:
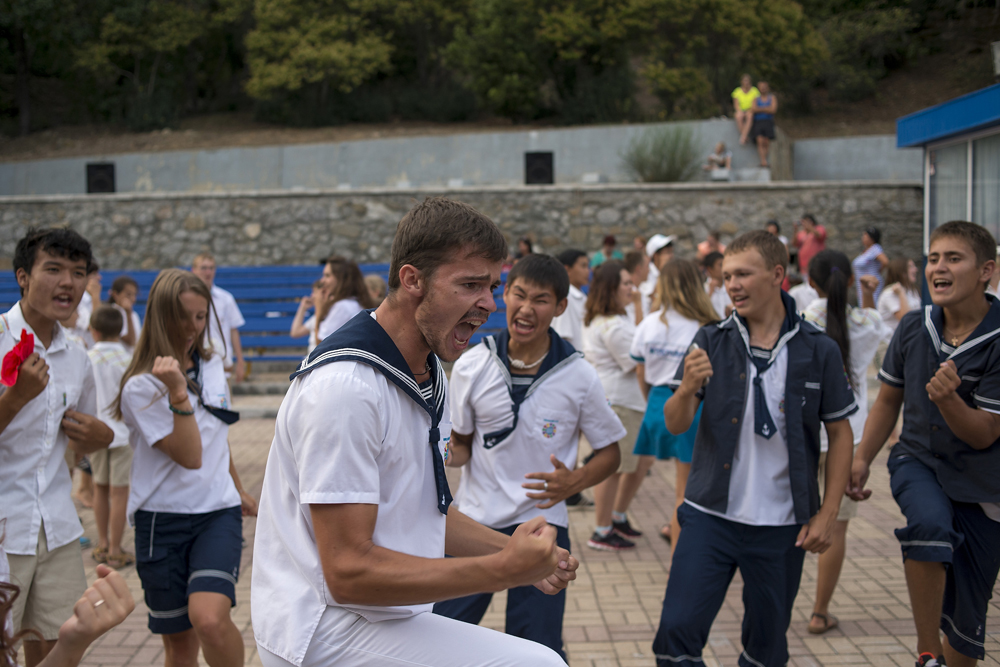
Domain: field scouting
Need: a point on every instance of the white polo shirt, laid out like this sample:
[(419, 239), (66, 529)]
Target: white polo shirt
[(158, 483), (344, 435), (110, 361), (35, 484), (569, 325), (568, 402), (339, 315), (230, 318), (661, 348), (607, 341)]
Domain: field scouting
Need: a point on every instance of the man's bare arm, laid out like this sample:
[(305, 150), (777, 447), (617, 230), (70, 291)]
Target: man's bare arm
[(359, 572), (461, 449)]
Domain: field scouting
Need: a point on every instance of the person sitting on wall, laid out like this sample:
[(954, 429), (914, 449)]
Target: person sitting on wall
[(743, 97)]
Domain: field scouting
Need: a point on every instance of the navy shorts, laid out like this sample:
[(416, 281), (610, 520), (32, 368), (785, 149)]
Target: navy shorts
[(180, 554), (960, 535)]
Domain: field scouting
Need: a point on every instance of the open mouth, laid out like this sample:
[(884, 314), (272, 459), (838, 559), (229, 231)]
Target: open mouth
[(64, 300), (739, 300), (522, 326), (463, 332), (941, 285)]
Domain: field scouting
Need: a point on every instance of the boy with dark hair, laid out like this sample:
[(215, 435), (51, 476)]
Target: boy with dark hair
[(714, 284), (752, 498), (111, 466), (943, 368), (355, 514), (569, 324), (48, 405), (519, 403)]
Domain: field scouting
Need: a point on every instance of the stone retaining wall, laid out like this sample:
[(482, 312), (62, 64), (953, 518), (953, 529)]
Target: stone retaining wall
[(151, 231)]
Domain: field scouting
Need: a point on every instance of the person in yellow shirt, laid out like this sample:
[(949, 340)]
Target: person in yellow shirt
[(743, 98)]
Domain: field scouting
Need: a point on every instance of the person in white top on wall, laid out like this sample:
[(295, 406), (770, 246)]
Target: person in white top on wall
[(345, 294), (660, 250), (356, 514), (569, 325), (123, 294), (607, 338), (660, 343), (49, 403), (857, 332), (185, 501), (224, 324)]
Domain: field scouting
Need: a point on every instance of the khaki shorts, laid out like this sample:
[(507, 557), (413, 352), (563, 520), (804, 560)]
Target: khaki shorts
[(631, 420), (112, 466), (848, 507), (51, 583)]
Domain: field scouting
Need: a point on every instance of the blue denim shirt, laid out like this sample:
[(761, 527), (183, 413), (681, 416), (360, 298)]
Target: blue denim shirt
[(816, 391)]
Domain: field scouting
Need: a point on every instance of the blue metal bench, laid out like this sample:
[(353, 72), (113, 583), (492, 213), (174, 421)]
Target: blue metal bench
[(268, 297)]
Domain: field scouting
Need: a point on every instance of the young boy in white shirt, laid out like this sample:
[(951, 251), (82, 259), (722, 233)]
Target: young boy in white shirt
[(766, 380), (569, 322), (49, 406), (111, 466), (519, 402), (224, 325)]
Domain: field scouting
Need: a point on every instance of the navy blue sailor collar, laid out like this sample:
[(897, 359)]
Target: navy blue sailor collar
[(364, 340), (560, 354), (985, 331)]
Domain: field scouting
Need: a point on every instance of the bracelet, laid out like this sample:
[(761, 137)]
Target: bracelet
[(182, 413)]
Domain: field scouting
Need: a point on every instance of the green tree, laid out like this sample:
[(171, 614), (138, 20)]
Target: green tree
[(526, 58), (25, 24), (697, 49), (300, 42)]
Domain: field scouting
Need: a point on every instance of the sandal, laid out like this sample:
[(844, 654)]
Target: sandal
[(829, 623), (99, 554), (118, 561), (665, 533)]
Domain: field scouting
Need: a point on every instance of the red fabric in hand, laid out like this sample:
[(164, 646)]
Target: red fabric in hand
[(12, 360)]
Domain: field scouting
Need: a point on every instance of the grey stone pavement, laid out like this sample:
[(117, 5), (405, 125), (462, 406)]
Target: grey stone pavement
[(613, 607)]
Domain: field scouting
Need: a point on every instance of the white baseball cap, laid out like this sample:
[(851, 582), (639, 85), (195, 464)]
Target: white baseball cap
[(658, 242)]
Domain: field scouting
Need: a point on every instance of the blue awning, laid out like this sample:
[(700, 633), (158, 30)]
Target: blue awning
[(961, 115)]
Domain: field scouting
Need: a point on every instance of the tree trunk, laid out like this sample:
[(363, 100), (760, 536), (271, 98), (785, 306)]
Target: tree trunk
[(22, 91)]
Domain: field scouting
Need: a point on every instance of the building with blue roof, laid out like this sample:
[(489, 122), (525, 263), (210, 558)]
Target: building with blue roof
[(961, 142)]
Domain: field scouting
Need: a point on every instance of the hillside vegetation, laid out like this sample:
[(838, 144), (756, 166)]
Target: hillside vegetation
[(110, 75)]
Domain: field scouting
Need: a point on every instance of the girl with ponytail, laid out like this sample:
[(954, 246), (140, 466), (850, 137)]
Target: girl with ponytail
[(857, 332)]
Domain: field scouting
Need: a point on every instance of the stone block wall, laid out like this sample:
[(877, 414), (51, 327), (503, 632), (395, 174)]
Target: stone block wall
[(150, 231)]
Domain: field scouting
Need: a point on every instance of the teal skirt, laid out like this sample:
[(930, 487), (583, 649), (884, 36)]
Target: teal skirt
[(655, 440)]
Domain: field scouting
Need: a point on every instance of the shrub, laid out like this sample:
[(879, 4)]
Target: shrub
[(662, 155)]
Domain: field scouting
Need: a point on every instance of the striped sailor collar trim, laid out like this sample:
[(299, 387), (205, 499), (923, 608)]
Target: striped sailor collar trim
[(986, 331), (560, 355), (789, 328), (364, 340)]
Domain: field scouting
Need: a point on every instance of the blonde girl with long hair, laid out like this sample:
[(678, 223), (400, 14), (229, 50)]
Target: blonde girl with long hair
[(661, 341), (185, 500)]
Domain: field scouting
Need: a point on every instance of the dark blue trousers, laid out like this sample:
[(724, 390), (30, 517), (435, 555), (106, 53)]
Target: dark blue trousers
[(531, 614), (705, 559)]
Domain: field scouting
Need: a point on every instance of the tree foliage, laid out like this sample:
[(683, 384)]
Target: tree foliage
[(148, 62)]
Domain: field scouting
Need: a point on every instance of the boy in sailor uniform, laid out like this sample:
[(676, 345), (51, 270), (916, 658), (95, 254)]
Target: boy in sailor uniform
[(943, 367), (355, 515), (519, 402)]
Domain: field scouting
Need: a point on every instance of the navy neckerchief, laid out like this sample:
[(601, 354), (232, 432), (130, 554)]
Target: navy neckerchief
[(560, 353), (228, 417), (987, 329), (763, 425), (364, 340)]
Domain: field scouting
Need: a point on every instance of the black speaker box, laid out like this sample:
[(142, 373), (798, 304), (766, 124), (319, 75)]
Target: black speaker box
[(539, 168), (100, 177)]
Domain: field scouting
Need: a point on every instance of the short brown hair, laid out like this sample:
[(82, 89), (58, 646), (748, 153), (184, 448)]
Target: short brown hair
[(202, 256), (633, 259), (980, 240), (107, 321), (767, 244), (434, 229)]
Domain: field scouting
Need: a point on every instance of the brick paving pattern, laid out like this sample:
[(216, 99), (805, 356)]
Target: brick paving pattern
[(613, 607)]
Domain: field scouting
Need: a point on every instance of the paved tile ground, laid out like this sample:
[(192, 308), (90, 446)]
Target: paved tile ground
[(614, 605)]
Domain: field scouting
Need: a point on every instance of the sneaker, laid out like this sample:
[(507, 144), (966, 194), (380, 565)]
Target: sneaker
[(928, 660), (625, 529), (610, 542), (579, 500)]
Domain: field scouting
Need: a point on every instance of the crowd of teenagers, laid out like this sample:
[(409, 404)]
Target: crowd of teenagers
[(363, 557)]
